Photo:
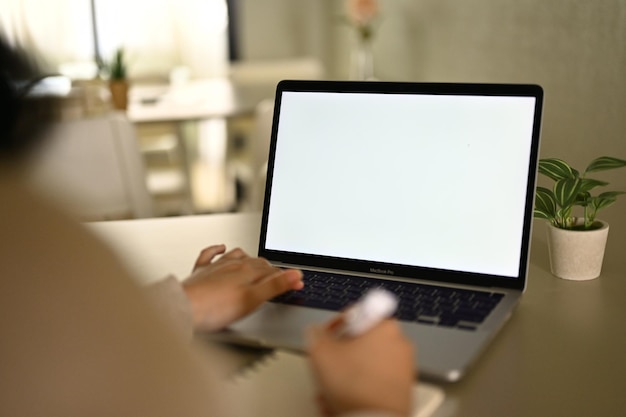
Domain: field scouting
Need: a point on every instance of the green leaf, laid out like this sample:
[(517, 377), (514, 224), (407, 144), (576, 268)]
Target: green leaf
[(566, 191), (611, 194), (602, 202), (605, 199), (604, 163), (117, 68), (589, 183), (545, 204), (556, 169)]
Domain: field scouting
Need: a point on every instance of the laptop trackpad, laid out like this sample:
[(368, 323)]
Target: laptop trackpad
[(275, 325)]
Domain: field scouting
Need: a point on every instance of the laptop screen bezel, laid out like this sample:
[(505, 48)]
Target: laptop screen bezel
[(387, 270)]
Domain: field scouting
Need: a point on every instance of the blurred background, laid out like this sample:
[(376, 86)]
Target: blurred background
[(201, 76)]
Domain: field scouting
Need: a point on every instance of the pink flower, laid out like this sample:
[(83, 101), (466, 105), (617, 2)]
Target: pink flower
[(362, 12)]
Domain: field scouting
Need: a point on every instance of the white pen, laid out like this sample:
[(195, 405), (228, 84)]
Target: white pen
[(376, 305)]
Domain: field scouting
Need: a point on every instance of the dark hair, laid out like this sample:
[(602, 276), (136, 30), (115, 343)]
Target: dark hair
[(23, 118)]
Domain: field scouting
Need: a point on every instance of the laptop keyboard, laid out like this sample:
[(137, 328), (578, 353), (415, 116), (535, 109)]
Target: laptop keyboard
[(427, 304)]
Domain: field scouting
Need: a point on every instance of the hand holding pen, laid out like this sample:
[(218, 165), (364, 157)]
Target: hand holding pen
[(362, 361), (375, 306)]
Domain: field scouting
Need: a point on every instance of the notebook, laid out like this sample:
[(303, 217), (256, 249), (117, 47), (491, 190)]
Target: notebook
[(424, 189), (282, 386)]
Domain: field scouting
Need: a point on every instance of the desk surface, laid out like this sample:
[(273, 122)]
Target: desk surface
[(195, 100), (561, 354)]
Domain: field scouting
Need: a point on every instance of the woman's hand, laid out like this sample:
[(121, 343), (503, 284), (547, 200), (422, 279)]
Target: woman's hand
[(374, 371), (224, 290)]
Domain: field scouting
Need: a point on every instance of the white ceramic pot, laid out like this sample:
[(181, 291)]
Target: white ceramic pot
[(577, 254)]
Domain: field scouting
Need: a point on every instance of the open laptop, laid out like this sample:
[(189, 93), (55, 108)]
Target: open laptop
[(425, 189)]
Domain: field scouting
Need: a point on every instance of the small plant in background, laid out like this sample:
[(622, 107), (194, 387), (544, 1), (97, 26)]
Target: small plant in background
[(118, 83), (118, 68), (572, 189)]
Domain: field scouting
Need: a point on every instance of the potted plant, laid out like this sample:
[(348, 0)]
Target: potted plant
[(118, 83), (576, 243)]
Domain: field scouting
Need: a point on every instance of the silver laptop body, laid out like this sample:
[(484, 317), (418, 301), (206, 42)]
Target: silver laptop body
[(429, 183)]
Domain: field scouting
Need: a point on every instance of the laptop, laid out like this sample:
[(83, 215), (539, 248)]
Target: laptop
[(424, 189)]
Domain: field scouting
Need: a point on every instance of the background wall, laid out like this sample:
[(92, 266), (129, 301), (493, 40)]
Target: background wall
[(575, 49), (279, 29)]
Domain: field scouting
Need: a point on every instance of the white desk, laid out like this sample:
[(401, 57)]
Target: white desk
[(153, 248), (195, 100), (201, 106), (562, 353)]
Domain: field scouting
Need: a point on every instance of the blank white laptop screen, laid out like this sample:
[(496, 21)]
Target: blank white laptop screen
[(436, 181)]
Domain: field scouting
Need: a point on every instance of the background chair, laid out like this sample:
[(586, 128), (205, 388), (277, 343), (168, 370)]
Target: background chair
[(260, 150), (166, 166), (94, 167), (252, 174)]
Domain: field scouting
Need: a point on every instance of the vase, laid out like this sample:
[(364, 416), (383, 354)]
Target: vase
[(577, 254), (362, 60), (119, 94)]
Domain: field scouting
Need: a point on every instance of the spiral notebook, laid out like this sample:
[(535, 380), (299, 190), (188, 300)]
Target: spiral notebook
[(281, 385)]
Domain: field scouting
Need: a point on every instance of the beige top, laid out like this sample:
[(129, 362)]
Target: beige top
[(79, 337)]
